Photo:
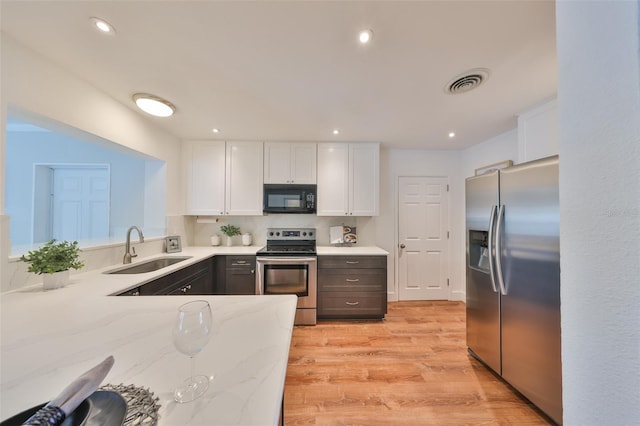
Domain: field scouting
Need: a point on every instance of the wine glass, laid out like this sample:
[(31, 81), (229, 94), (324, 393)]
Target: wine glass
[(190, 335)]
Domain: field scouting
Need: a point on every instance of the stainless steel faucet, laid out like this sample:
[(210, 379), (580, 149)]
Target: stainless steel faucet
[(128, 249)]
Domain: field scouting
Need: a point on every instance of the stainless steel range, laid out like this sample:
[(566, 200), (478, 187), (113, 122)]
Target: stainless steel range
[(288, 265)]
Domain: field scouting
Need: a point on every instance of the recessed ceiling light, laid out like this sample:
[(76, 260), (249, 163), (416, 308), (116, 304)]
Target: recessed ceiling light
[(365, 36), (215, 130), (452, 135), (154, 105), (336, 131), (102, 25)]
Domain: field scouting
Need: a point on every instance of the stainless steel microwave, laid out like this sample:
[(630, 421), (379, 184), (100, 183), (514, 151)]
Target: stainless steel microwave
[(289, 199)]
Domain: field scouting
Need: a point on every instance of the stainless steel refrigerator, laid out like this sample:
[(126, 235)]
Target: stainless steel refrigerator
[(513, 278)]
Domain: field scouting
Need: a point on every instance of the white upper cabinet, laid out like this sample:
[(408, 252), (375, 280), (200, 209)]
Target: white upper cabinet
[(538, 132), (348, 179), (290, 163), (204, 166), (223, 178)]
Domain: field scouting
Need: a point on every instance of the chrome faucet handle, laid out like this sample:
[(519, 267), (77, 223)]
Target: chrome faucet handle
[(133, 252)]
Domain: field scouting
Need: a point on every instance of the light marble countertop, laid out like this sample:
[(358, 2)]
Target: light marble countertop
[(351, 251), (50, 338)]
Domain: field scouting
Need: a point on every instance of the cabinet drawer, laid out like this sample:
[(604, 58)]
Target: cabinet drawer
[(352, 280), (352, 262), (241, 262), (352, 305)]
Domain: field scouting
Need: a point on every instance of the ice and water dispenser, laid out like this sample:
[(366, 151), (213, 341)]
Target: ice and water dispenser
[(479, 250)]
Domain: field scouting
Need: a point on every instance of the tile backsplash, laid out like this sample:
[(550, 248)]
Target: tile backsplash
[(199, 234)]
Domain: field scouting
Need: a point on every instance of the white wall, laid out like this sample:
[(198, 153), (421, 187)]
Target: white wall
[(538, 132), (599, 110), (26, 148), (33, 84), (397, 162)]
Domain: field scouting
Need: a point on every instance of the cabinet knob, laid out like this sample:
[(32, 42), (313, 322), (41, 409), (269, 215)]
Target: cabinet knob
[(136, 293)]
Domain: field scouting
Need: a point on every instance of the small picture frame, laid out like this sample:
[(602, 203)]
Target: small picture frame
[(492, 167), (173, 244)]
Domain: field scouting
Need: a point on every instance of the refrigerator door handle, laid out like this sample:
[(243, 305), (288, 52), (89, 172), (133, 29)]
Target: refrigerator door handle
[(492, 221), (499, 231)]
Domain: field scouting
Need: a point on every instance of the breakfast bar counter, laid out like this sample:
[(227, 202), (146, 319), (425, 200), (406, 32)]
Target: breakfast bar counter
[(50, 338)]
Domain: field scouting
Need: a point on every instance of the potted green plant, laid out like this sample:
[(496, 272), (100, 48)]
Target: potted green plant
[(230, 231), (54, 259)]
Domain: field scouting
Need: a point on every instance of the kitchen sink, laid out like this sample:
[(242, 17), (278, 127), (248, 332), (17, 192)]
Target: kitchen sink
[(148, 266)]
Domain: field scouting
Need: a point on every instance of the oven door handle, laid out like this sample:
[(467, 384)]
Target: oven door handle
[(290, 260)]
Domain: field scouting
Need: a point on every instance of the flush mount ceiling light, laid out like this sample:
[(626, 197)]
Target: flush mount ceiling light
[(154, 105), (215, 130), (102, 26), (467, 81), (365, 36), (336, 131), (452, 135)]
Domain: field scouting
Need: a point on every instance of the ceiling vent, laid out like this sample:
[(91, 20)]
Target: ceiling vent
[(466, 81)]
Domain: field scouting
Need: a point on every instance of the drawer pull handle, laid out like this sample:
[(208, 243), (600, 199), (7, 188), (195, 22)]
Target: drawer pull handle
[(350, 280), (352, 303), (352, 262)]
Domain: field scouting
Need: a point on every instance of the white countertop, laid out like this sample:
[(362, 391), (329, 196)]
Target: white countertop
[(50, 338), (351, 251)]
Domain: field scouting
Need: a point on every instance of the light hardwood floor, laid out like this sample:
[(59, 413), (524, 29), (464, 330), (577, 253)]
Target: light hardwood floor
[(410, 369)]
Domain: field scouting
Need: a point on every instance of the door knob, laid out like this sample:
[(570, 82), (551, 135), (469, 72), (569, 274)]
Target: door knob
[(402, 246)]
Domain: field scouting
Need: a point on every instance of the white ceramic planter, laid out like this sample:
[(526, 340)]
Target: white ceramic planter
[(246, 239), (215, 240), (55, 280), (229, 241)]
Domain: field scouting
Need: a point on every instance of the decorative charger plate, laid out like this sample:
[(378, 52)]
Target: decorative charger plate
[(101, 408)]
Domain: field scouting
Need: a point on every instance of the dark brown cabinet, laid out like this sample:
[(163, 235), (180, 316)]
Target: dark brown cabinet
[(196, 279), (352, 287), (235, 274), (240, 275)]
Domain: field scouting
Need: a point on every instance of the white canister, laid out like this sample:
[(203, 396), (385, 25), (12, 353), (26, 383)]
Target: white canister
[(215, 240), (246, 239)]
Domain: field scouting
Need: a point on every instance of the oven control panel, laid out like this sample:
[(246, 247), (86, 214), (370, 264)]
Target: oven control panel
[(291, 234)]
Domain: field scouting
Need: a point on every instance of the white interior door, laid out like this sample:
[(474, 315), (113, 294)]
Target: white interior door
[(423, 246), (80, 203)]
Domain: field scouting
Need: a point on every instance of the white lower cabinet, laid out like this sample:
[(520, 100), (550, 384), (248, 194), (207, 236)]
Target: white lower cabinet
[(223, 178), (348, 179)]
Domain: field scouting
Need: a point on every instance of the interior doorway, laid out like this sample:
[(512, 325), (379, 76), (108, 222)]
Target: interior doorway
[(71, 202), (423, 238)]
